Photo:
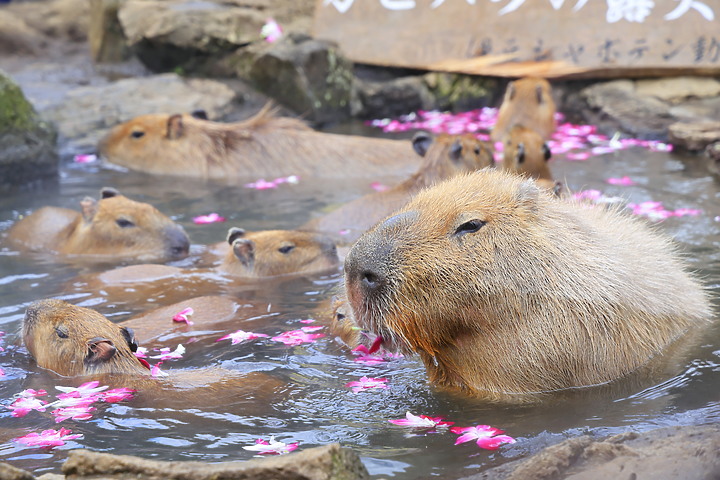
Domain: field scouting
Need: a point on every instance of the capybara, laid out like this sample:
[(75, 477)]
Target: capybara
[(443, 157), (113, 227), (525, 153), (504, 289), (263, 146), (76, 341), (527, 102), (250, 256)]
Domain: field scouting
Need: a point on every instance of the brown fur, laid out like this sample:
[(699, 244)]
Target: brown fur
[(503, 289), (264, 145), (445, 157), (61, 337), (527, 102), (113, 227), (525, 153)]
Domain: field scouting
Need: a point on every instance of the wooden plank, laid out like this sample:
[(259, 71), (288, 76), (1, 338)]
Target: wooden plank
[(550, 38)]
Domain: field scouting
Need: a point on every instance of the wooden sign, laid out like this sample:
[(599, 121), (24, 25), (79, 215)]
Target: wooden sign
[(548, 38)]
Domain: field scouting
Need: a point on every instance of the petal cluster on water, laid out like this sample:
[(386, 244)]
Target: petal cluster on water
[(421, 421), (298, 337), (623, 181), (48, 438), (271, 447), (209, 218), (367, 383), (487, 437), (166, 354), (241, 336), (85, 158), (182, 316), (263, 184), (656, 211)]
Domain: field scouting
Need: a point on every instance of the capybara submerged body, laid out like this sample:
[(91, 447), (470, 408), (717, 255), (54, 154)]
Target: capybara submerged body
[(503, 289), (113, 227), (443, 157), (263, 146)]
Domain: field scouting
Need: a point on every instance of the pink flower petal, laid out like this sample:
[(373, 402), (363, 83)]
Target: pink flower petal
[(298, 337), (118, 395), (209, 218), (48, 438), (367, 383), (241, 336), (24, 405), (182, 316), (486, 436), (87, 158), (420, 421), (76, 413), (625, 181), (378, 187), (272, 447)]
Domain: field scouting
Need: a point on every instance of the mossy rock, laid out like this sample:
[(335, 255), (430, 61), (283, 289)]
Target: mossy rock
[(461, 92), (27, 144)]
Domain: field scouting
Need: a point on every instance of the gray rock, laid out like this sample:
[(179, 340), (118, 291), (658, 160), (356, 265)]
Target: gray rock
[(461, 92), (321, 463), (58, 19), (105, 36), (661, 454), (8, 472), (311, 77), (177, 33), (392, 98), (694, 136), (27, 144), (615, 106), (87, 113), (677, 89), (17, 37)]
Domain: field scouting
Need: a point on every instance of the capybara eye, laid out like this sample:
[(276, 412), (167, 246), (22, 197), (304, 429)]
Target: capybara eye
[(477, 150), (137, 134), (286, 248), (469, 227), (124, 223), (62, 332)]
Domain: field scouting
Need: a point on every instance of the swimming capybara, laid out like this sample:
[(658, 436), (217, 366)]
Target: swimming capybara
[(525, 153), (527, 102), (263, 146), (504, 289), (443, 157), (76, 341), (113, 227)]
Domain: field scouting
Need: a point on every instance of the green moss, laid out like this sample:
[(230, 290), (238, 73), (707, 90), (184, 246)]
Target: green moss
[(455, 90), (16, 113)]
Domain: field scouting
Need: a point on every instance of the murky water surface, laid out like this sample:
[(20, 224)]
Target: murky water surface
[(313, 406)]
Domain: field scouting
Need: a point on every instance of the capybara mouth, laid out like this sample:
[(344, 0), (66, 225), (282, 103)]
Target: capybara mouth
[(178, 242)]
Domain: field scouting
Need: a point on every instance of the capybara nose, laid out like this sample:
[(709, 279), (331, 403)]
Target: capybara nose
[(371, 281), (178, 242)]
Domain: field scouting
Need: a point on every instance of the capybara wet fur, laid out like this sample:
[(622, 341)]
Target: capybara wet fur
[(443, 157), (263, 146), (527, 102), (113, 227), (503, 289)]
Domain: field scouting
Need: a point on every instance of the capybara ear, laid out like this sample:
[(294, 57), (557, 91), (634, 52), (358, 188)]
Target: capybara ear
[(511, 90), (244, 250), (100, 350), (89, 208), (546, 152), (200, 114), (234, 233), (558, 189), (456, 150), (539, 94), (108, 192), (528, 195), (520, 154), (175, 127), (421, 142), (129, 335)]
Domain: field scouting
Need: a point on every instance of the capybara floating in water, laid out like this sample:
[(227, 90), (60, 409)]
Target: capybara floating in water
[(263, 146), (504, 289), (443, 157), (525, 153), (75, 341), (527, 102), (251, 256), (113, 227)]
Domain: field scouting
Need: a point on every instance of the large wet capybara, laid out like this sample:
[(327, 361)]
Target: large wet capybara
[(75, 341), (504, 289), (443, 157), (263, 146), (113, 227), (527, 102)]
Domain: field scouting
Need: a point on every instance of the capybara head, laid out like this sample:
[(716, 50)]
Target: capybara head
[(528, 102), (503, 288), (525, 153), (447, 155), (72, 340), (269, 253), (118, 226)]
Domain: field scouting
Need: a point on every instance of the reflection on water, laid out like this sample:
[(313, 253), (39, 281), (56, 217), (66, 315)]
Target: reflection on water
[(311, 404)]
